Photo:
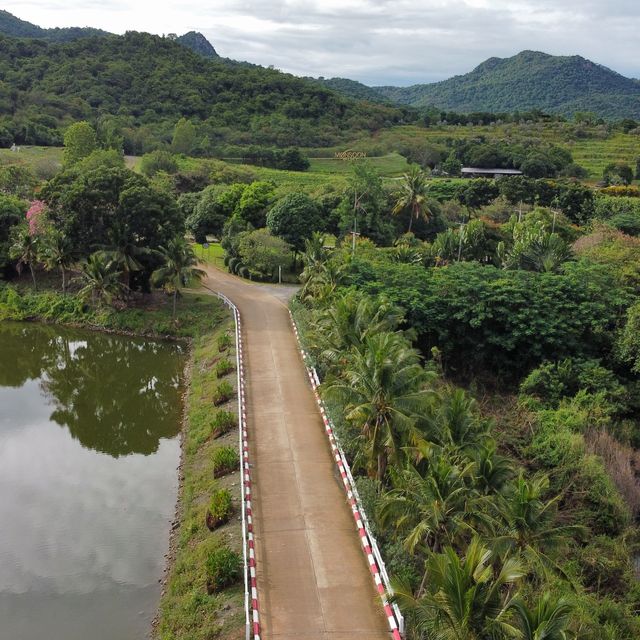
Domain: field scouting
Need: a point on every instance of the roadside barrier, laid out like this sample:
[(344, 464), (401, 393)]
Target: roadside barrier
[(369, 544), (251, 608)]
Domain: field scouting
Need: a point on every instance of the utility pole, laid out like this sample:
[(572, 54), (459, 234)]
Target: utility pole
[(460, 243)]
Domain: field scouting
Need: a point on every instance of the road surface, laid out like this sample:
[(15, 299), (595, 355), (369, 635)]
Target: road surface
[(313, 578)]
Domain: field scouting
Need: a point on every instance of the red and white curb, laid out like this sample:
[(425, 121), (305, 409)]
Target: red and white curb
[(248, 548), (369, 545)]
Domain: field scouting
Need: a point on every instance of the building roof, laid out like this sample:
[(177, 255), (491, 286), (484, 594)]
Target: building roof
[(506, 172)]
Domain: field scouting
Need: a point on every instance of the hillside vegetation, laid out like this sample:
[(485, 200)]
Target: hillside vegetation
[(144, 84), (531, 79)]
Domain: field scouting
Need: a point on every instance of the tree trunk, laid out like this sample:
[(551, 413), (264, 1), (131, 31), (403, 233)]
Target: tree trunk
[(175, 298), (33, 276), (410, 221), (382, 466), (64, 280)]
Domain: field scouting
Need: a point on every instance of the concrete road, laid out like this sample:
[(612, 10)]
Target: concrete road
[(313, 579)]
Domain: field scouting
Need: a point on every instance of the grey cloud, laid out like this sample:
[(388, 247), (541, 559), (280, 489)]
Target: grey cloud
[(386, 41)]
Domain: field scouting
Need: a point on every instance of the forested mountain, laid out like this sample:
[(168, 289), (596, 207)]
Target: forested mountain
[(10, 25), (353, 89), (138, 86), (13, 26), (555, 84), (198, 43)]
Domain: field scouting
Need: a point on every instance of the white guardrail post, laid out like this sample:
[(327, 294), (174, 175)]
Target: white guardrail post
[(369, 544), (252, 619)]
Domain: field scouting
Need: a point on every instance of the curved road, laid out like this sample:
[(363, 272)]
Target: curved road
[(313, 579)]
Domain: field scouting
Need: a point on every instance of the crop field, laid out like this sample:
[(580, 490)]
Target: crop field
[(390, 165), (591, 147)]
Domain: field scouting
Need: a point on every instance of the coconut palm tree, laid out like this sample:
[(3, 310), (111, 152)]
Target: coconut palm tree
[(100, 279), (548, 620), (527, 523), (347, 322), (178, 269), (431, 509), (466, 598), (492, 470), (413, 196), (57, 253), (382, 390), (123, 251), (25, 248)]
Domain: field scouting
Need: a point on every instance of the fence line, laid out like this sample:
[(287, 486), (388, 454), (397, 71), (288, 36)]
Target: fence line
[(252, 616), (369, 544)]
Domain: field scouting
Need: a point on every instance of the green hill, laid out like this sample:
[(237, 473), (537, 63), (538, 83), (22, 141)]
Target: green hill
[(10, 25), (144, 84), (352, 89), (529, 80), (14, 27)]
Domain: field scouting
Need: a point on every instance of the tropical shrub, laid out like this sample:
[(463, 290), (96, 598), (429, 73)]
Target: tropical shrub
[(220, 509), (225, 460), (224, 568), (223, 422), (222, 393)]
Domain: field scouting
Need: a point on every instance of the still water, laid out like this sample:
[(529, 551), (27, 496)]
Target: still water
[(89, 448)]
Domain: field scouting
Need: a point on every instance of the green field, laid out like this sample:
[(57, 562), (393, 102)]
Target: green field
[(390, 165), (42, 160), (591, 147)]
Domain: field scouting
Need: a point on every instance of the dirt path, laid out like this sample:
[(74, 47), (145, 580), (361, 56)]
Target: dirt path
[(313, 580)]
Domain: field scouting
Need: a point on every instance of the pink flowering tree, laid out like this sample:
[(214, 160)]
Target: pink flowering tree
[(35, 217)]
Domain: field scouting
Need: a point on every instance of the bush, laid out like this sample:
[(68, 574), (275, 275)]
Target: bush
[(220, 509), (224, 568), (225, 460), (223, 422), (224, 342), (553, 381), (222, 393), (157, 161), (262, 253), (224, 367)]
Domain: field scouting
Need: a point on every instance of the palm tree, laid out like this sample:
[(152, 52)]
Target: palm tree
[(25, 248), (347, 322), (430, 510), (382, 391), (413, 196), (123, 251), (100, 279), (546, 253), (527, 523), (549, 620), (57, 253), (179, 267), (320, 275), (466, 599), (492, 470)]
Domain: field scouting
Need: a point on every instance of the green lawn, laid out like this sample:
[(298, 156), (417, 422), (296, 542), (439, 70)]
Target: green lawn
[(213, 254)]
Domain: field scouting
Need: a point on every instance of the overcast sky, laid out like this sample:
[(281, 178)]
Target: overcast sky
[(375, 41)]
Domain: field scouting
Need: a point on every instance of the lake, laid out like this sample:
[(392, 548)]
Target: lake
[(89, 450)]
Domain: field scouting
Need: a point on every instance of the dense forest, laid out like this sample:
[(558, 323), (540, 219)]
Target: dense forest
[(138, 86), (556, 84)]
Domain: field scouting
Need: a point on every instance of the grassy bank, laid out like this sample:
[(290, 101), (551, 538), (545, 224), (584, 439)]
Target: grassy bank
[(202, 594), (189, 609)]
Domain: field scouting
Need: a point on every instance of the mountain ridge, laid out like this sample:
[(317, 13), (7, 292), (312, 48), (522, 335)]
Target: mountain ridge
[(528, 80), (14, 27)]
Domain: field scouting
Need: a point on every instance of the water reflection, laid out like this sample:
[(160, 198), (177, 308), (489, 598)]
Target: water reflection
[(88, 482), (106, 389)]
